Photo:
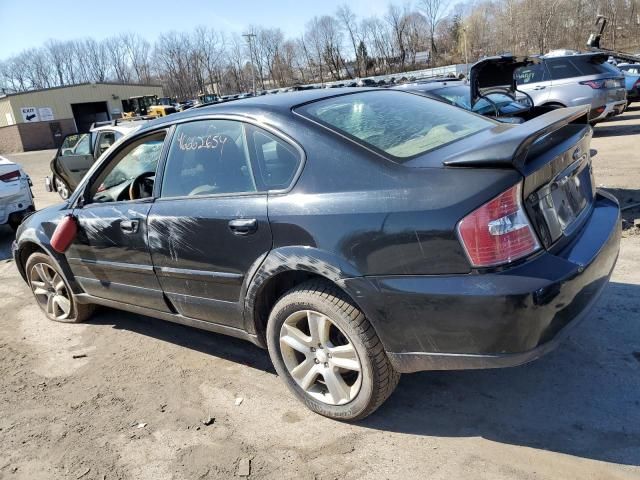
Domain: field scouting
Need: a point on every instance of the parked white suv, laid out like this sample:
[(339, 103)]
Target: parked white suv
[(568, 80), (16, 199)]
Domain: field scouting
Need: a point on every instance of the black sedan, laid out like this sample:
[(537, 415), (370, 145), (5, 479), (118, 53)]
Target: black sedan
[(356, 233)]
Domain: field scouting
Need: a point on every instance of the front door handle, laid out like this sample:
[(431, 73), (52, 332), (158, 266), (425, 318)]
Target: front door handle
[(542, 87), (243, 226), (129, 226)]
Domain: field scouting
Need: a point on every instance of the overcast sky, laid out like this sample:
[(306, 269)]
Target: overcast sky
[(29, 23)]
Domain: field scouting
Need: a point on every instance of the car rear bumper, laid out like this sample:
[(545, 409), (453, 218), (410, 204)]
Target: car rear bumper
[(611, 109), (16, 204), (492, 319)]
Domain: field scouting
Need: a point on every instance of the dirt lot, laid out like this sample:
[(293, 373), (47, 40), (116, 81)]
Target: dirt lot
[(133, 407)]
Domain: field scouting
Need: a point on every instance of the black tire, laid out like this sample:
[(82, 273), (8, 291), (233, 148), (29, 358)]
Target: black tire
[(378, 377), (78, 312), (14, 224)]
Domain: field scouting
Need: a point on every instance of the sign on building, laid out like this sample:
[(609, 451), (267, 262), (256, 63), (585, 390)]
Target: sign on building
[(29, 114), (45, 114)]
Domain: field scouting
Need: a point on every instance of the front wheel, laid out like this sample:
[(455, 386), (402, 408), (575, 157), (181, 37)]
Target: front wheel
[(328, 353), (52, 292)]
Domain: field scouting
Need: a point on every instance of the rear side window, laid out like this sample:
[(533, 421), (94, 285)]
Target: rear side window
[(207, 158), (590, 66), (560, 68), (579, 66), (276, 160), (531, 74), (401, 125)]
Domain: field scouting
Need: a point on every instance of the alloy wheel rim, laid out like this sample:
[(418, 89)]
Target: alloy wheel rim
[(61, 188), (320, 357), (50, 291)]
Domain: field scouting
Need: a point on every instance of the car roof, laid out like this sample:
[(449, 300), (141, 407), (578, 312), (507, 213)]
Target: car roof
[(282, 103)]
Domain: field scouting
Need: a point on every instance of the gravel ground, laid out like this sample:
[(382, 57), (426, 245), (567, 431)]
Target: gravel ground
[(133, 406)]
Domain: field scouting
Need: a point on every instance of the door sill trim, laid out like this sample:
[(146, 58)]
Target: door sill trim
[(85, 298)]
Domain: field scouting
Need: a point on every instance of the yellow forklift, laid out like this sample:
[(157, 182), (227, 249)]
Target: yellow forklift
[(147, 106)]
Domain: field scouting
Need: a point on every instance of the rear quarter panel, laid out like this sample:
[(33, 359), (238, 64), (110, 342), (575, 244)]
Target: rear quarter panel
[(379, 217)]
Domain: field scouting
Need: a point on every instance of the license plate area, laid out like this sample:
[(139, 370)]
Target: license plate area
[(566, 198)]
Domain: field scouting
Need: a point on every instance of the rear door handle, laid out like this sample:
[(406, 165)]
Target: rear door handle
[(129, 226), (243, 226)]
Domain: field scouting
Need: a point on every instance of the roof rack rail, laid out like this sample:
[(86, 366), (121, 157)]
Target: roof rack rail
[(101, 124), (133, 119), (226, 100)]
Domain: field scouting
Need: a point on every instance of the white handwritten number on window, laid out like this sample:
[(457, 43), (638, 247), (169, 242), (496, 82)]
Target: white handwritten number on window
[(210, 142)]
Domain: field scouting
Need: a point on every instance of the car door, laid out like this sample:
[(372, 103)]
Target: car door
[(75, 158), (534, 80), (110, 257), (209, 228)]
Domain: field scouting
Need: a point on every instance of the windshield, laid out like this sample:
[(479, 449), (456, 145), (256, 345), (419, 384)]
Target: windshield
[(399, 124), (141, 159)]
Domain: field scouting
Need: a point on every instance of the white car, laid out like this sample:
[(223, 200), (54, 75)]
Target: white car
[(16, 199)]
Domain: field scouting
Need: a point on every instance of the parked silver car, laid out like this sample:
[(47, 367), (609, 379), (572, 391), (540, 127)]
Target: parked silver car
[(575, 79)]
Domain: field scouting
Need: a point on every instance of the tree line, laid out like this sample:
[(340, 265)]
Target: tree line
[(332, 47)]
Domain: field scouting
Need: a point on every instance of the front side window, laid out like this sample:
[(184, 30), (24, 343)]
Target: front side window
[(208, 157), (399, 124), (130, 175)]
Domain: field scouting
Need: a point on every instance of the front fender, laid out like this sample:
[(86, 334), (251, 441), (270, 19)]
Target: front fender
[(37, 231)]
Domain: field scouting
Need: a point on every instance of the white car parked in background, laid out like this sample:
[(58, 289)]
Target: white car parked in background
[(16, 199)]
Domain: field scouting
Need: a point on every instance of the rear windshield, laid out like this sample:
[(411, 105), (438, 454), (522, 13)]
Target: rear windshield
[(401, 125)]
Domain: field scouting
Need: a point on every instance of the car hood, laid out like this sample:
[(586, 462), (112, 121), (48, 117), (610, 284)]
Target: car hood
[(496, 74)]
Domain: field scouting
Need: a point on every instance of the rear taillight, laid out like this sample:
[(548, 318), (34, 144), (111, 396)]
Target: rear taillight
[(606, 83), (595, 84), (499, 231), (11, 176)]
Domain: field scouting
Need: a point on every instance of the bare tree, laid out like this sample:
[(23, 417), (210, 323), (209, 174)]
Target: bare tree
[(348, 19), (433, 11)]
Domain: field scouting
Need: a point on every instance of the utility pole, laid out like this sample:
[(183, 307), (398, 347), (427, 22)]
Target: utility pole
[(466, 58), (250, 37)]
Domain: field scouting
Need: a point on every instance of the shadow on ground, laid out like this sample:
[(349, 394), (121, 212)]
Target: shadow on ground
[(222, 346), (582, 399), (7, 235), (616, 129)]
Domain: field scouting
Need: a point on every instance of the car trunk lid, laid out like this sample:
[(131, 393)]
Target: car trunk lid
[(552, 153), (496, 74)]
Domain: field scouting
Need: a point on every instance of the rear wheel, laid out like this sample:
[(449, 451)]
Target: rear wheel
[(328, 353), (52, 292)]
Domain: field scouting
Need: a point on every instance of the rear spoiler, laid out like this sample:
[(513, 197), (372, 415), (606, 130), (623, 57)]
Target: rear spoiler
[(510, 148)]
